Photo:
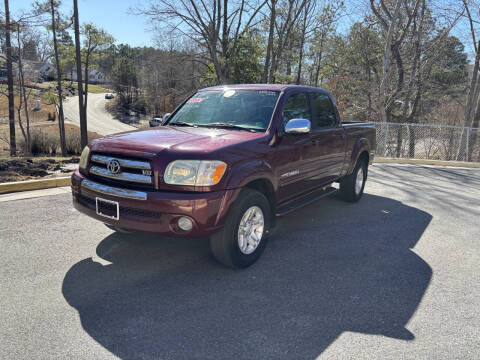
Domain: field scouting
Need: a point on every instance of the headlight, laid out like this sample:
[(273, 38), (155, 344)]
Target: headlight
[(82, 164), (194, 172)]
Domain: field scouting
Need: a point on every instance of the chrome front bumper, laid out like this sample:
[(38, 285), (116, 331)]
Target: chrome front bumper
[(113, 191)]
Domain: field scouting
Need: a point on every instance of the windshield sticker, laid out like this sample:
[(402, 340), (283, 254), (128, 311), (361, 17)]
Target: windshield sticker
[(195, 100)]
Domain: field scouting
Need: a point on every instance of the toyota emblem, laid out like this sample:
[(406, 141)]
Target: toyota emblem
[(113, 166)]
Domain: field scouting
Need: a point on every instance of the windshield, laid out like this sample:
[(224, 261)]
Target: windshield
[(236, 109)]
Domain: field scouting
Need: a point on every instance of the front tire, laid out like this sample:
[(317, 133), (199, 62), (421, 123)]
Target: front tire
[(351, 186), (244, 236)]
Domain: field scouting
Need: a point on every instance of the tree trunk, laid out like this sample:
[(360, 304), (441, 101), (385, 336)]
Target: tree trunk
[(83, 115), (319, 60), (61, 123), (399, 141), (389, 30), (473, 133), (87, 59), (11, 99), (216, 64), (411, 145), (23, 93), (469, 109), (266, 67), (302, 44), (284, 35), (19, 112)]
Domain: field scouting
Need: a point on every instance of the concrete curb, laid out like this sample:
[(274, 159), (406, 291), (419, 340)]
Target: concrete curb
[(34, 184), (427, 162)]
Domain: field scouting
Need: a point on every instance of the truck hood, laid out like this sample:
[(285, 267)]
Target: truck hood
[(174, 139)]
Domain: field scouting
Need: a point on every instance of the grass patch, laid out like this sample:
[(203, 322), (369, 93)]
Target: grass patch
[(92, 88)]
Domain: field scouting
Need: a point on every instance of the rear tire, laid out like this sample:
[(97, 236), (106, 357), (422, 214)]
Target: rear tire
[(351, 186), (249, 220)]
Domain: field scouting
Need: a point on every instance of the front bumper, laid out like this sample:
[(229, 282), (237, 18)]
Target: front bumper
[(154, 211)]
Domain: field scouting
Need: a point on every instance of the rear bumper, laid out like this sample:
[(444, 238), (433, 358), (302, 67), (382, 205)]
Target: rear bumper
[(155, 211)]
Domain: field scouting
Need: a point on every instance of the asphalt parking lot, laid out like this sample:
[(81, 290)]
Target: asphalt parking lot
[(393, 276)]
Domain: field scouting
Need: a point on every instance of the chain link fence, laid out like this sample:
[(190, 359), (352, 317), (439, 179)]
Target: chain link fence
[(426, 141)]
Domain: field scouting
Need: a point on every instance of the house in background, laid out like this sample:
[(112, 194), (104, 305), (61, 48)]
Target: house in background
[(95, 76), (37, 71), (34, 71), (3, 68), (3, 74)]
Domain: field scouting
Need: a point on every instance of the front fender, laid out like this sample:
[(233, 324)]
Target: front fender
[(248, 171)]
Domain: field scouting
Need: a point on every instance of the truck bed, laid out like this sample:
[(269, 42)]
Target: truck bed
[(355, 130)]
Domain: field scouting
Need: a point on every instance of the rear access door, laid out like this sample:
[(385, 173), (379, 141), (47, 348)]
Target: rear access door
[(328, 140)]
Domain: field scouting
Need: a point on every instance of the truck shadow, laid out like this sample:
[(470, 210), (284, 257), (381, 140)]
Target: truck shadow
[(329, 268)]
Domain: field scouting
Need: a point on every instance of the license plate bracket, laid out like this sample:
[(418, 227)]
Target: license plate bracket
[(107, 208)]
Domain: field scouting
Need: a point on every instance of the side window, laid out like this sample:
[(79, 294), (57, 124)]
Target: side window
[(324, 111), (297, 107)]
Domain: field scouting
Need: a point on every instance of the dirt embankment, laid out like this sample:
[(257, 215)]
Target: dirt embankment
[(20, 169)]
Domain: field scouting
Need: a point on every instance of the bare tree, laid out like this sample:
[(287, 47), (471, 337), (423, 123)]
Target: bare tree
[(272, 20), (308, 20), (472, 108), (395, 30), (78, 57), (61, 120), (325, 24), (23, 98), (11, 99), (217, 29), (284, 25)]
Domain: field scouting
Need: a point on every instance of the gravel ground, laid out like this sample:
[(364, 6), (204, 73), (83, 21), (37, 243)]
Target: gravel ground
[(393, 276)]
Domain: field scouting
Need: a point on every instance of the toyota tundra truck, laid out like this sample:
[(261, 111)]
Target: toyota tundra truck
[(225, 164)]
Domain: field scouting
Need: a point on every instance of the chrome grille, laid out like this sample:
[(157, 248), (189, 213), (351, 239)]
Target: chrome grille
[(132, 171), (124, 163)]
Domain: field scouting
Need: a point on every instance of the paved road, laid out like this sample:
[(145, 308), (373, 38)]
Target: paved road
[(98, 119), (393, 276)]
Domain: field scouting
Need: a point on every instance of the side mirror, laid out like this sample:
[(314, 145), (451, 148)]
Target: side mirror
[(165, 117), (298, 126)]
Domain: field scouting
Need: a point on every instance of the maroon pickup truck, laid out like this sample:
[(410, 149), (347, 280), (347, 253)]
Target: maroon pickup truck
[(226, 163)]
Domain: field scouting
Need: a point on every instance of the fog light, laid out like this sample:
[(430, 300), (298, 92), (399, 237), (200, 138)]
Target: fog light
[(185, 223)]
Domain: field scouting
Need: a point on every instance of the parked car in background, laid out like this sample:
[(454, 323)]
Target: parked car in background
[(109, 96), (225, 164), (159, 121), (155, 122)]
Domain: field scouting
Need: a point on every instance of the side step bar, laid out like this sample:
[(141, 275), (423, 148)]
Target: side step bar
[(303, 201)]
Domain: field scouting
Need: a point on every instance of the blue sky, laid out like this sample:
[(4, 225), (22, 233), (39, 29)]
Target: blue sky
[(112, 15)]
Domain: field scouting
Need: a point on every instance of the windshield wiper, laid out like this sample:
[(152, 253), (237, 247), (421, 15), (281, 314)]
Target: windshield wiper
[(181, 123), (227, 126)]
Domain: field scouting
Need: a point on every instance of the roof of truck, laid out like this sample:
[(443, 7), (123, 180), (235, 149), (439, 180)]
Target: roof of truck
[(271, 87)]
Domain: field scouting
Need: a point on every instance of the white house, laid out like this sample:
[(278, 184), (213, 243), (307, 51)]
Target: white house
[(94, 76)]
